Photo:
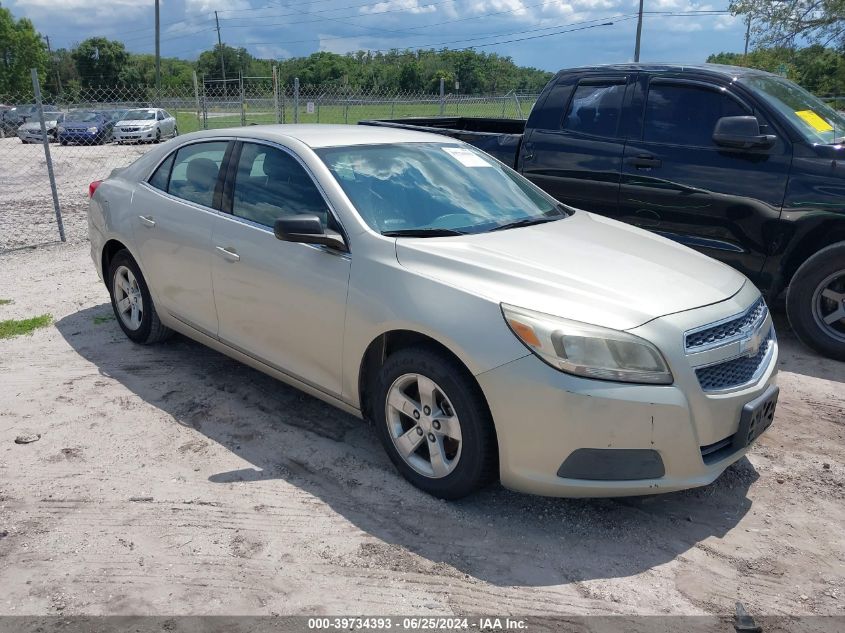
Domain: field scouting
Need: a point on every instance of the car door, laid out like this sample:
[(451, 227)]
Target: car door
[(282, 303), (578, 157), (173, 216), (678, 182), (170, 123)]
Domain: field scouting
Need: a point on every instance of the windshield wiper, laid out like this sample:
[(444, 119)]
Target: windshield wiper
[(526, 222), (423, 232)]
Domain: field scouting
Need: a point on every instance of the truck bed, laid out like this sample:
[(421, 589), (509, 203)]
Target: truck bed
[(500, 138)]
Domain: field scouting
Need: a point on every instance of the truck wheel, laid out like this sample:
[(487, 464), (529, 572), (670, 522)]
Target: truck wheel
[(434, 424), (815, 302)]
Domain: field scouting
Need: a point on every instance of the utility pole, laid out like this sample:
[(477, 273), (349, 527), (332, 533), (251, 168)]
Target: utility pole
[(158, 54), (54, 65), (220, 46), (747, 35), (639, 33)]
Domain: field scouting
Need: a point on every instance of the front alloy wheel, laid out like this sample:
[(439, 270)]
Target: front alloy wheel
[(815, 301), (423, 425), (434, 423)]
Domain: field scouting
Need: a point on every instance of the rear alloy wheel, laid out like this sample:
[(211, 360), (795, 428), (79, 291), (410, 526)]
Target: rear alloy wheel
[(132, 303), (434, 423), (815, 301)]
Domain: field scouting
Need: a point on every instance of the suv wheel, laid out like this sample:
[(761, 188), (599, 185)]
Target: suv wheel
[(434, 424), (815, 301), (132, 303)]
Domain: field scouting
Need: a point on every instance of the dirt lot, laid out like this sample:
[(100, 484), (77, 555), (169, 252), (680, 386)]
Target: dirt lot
[(170, 479), (26, 202)]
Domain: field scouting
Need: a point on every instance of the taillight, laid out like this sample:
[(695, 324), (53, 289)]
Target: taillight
[(93, 187)]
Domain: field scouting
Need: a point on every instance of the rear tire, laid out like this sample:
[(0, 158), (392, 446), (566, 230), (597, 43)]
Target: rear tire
[(815, 302), (131, 301), (456, 452)]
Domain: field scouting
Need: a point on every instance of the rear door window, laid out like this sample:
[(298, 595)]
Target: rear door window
[(595, 108), (195, 172)]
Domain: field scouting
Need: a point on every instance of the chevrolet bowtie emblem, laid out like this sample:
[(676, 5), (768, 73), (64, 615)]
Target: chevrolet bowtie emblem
[(751, 344)]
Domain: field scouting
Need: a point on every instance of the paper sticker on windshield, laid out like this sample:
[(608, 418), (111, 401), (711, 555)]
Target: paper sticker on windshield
[(466, 157), (814, 121)]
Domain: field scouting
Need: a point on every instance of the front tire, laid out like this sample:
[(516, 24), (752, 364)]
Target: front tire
[(815, 302), (434, 424), (131, 301)]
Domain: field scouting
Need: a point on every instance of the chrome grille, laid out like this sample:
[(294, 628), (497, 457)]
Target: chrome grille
[(728, 330), (129, 129), (735, 372)]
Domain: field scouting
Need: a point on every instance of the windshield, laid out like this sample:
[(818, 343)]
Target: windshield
[(817, 121), (140, 115), (82, 116), (431, 187)]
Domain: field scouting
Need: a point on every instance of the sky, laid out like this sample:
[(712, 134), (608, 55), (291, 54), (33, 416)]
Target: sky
[(547, 34)]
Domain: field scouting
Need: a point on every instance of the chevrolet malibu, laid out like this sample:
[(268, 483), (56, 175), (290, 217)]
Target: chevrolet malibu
[(488, 331)]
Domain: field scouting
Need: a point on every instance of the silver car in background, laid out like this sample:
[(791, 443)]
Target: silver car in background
[(30, 132), (488, 331), (145, 125)]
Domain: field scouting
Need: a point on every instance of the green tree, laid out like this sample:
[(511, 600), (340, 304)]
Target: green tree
[(21, 49), (100, 62), (236, 60), (783, 22)]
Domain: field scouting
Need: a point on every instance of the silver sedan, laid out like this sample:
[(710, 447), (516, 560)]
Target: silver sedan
[(145, 125), (487, 330)]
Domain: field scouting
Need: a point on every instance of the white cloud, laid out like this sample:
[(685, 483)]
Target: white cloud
[(408, 6)]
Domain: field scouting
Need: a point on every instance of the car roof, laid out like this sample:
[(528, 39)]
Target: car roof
[(721, 70), (326, 135)]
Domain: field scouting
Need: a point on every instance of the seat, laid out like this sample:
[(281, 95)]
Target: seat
[(200, 181)]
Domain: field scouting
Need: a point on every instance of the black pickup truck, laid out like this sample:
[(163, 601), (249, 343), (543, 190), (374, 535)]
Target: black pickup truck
[(739, 164)]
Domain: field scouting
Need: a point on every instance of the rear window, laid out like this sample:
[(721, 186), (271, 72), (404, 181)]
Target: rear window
[(595, 109)]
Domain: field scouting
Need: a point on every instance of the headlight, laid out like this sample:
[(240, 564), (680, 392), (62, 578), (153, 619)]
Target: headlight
[(588, 350), (93, 130)]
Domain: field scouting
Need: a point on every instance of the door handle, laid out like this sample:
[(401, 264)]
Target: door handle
[(147, 220), (644, 161), (228, 253)]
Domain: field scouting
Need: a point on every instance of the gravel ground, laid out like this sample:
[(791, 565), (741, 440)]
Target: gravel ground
[(27, 216), (171, 479)]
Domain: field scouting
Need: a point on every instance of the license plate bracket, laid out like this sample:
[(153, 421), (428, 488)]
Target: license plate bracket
[(756, 417)]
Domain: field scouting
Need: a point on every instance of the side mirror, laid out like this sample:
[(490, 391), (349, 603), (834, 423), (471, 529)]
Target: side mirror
[(307, 229), (741, 132)]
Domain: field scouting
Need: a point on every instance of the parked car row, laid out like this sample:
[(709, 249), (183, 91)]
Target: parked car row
[(91, 127)]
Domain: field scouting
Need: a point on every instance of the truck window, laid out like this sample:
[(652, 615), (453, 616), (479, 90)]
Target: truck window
[(686, 115), (595, 109)]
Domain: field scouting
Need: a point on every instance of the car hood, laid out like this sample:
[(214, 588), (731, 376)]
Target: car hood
[(36, 125), (82, 124), (139, 122), (584, 267)]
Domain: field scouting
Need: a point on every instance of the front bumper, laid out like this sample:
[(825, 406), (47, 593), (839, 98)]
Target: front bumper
[(546, 419), (83, 138), (134, 136), (32, 136)]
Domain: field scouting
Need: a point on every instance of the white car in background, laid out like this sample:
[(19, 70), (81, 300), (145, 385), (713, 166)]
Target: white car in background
[(145, 125), (30, 132)]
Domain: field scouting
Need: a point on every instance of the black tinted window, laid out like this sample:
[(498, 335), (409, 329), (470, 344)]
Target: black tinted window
[(686, 115), (595, 109), (162, 174), (195, 171), (270, 184)]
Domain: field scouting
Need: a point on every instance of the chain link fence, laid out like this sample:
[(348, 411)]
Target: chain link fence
[(84, 133)]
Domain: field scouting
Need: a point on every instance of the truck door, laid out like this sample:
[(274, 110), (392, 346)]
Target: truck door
[(677, 182), (575, 154)]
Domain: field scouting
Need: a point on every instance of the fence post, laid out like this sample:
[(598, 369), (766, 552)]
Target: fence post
[(276, 94), (518, 106), (442, 96), (346, 110), (393, 108), (204, 106), (296, 99), (243, 99), (504, 103), (46, 141), (197, 99)]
